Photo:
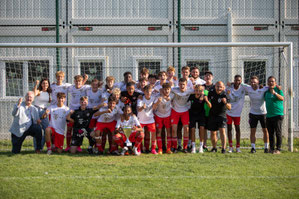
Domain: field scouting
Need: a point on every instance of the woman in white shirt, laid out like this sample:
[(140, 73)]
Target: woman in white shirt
[(42, 92)]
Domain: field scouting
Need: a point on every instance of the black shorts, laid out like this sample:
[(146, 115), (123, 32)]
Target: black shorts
[(254, 119), (78, 135), (207, 122), (216, 122), (199, 119)]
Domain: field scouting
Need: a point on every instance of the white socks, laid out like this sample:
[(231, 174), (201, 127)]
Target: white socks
[(252, 145)]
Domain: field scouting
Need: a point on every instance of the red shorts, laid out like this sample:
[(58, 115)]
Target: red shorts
[(70, 124), (151, 127), (160, 122), (93, 123), (175, 117), (230, 120), (102, 126), (58, 139)]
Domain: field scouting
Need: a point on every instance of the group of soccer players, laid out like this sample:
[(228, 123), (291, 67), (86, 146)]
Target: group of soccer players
[(160, 111)]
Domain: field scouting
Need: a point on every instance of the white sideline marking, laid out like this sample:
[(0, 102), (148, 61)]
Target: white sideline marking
[(146, 177)]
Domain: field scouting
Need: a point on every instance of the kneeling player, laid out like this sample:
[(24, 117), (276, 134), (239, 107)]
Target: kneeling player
[(81, 119), (106, 121), (217, 117), (128, 120), (57, 124), (197, 115)]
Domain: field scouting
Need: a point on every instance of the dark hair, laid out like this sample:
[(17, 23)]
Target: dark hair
[(254, 77), (182, 79), (238, 76), (112, 99), (130, 84), (142, 79), (271, 78), (166, 85), (127, 73), (61, 95), (208, 73), (147, 87), (195, 67), (40, 88), (152, 76)]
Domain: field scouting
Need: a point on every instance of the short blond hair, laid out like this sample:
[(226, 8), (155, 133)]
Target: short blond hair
[(170, 68), (116, 91), (59, 73)]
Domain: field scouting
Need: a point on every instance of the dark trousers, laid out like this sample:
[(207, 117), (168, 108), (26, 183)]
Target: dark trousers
[(34, 131), (274, 128)]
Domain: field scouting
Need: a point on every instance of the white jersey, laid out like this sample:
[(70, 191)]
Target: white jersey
[(63, 88), (257, 102), (94, 98), (199, 81), (131, 122), (58, 117), (146, 116), (236, 99), (164, 108), (121, 85), (180, 100), (190, 85), (76, 94), (109, 117)]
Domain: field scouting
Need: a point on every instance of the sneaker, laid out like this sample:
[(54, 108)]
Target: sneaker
[(180, 148), (147, 151), (231, 149), (49, 152), (67, 149), (37, 151), (90, 150), (253, 150), (123, 152), (266, 150), (168, 151), (185, 150), (154, 152), (214, 150), (223, 151), (175, 151), (135, 151), (79, 149), (205, 148), (95, 150), (200, 150), (164, 148), (193, 150), (238, 150), (189, 148), (160, 151), (276, 152), (115, 153)]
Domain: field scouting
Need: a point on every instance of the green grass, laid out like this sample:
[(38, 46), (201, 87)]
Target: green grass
[(208, 175)]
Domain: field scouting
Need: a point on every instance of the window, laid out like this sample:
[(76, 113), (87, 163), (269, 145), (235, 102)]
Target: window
[(202, 65), (14, 78), (20, 76), (153, 66), (94, 70), (37, 69), (255, 68)]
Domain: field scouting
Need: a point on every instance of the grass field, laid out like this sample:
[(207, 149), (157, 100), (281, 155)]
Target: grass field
[(208, 175)]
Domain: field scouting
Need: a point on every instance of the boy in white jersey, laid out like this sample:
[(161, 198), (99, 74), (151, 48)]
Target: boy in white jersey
[(106, 121), (77, 91), (94, 95), (145, 107), (236, 96), (127, 78), (128, 120), (59, 87), (257, 111), (180, 112), (162, 116), (171, 78), (162, 75), (57, 124), (142, 82)]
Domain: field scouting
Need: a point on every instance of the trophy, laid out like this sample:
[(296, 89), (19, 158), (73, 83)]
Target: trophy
[(127, 131)]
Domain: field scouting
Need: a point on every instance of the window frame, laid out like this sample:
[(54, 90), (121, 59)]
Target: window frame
[(137, 59), (209, 59), (25, 71), (103, 59)]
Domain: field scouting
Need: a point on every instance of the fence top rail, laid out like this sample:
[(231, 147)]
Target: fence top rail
[(132, 45)]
